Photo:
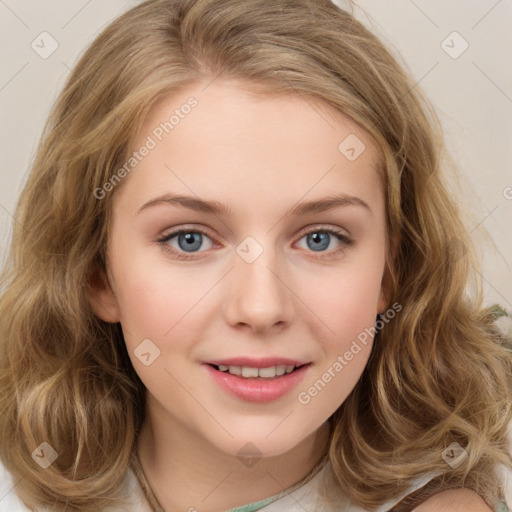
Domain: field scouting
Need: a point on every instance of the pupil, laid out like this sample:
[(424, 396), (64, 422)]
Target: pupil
[(190, 241), (319, 238)]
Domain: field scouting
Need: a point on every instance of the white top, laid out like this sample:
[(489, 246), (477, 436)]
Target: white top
[(307, 497)]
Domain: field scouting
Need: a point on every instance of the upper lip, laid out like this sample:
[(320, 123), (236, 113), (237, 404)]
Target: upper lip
[(256, 362)]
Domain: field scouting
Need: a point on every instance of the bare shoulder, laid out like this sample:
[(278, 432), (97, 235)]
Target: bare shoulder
[(454, 500)]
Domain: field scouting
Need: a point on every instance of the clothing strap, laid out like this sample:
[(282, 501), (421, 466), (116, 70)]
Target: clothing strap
[(146, 488)]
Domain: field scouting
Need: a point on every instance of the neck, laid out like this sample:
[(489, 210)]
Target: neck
[(185, 472)]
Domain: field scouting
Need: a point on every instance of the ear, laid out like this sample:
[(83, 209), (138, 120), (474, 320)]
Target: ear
[(101, 297)]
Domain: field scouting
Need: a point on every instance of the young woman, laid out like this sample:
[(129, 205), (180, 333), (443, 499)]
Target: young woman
[(238, 282)]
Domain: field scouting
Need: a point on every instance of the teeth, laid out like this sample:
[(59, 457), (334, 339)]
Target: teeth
[(265, 373), (249, 372), (280, 369), (235, 370)]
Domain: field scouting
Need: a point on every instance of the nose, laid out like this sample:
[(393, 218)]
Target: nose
[(258, 297)]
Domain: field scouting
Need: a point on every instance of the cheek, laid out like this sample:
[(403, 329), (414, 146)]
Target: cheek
[(157, 319), (344, 329), (345, 305), (345, 302), (153, 299)]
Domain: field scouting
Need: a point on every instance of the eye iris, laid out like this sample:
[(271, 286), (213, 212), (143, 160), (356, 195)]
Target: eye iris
[(319, 238), (191, 241)]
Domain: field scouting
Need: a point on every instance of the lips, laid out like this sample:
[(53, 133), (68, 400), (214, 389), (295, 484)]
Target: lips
[(257, 379), (254, 362)]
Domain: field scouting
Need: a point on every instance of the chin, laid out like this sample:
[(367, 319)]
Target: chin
[(259, 443)]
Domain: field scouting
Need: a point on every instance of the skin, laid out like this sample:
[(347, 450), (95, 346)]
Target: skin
[(258, 155), (454, 500)]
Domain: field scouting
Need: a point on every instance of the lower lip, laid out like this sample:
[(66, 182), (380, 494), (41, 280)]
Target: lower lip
[(257, 389)]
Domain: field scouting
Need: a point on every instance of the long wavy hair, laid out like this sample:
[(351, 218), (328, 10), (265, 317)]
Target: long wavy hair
[(438, 372)]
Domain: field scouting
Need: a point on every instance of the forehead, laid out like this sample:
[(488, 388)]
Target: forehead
[(224, 137)]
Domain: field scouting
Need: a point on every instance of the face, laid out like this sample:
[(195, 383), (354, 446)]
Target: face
[(246, 255)]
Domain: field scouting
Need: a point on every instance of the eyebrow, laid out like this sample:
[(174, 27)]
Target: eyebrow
[(217, 208)]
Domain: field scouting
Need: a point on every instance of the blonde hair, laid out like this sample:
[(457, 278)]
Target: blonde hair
[(438, 373)]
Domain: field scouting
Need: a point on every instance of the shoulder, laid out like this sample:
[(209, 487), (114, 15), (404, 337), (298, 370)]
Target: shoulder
[(9, 500), (454, 500)]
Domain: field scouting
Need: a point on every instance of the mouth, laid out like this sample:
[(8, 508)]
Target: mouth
[(257, 380)]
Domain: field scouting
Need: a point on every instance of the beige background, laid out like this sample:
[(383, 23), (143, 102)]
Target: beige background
[(472, 92)]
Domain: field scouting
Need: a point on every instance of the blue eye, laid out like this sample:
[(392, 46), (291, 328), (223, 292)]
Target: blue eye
[(320, 240), (188, 240)]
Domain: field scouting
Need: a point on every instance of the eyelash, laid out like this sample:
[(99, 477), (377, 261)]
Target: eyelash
[(344, 239)]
